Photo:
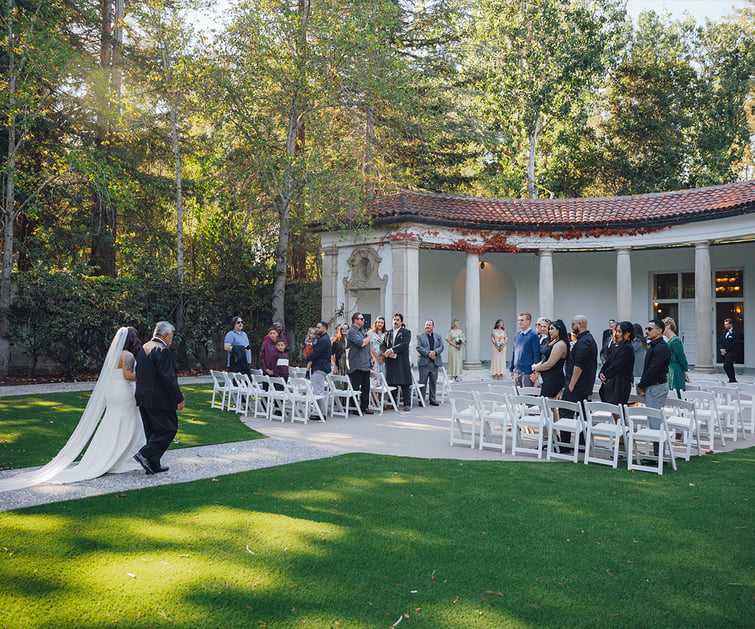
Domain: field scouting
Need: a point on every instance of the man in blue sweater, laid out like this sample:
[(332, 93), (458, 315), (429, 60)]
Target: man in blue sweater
[(318, 364), (526, 351)]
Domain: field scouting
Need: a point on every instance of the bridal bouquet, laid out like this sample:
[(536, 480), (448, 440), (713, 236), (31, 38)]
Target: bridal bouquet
[(457, 338), (499, 342)]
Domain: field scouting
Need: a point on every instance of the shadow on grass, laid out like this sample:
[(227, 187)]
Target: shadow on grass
[(361, 540), (34, 428)]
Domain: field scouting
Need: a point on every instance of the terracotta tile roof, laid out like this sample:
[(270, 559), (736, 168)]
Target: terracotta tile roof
[(661, 208)]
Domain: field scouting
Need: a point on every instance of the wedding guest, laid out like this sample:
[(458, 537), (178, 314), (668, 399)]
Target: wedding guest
[(526, 351), (398, 372), (551, 365), (456, 340), (236, 343), (728, 347), (338, 349), (268, 352), (319, 365), (616, 374), (640, 346), (281, 360), (307, 348), (358, 359), (541, 327), (498, 339), (378, 334), (678, 367)]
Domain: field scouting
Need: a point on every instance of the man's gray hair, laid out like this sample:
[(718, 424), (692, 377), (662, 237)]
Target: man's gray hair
[(163, 327)]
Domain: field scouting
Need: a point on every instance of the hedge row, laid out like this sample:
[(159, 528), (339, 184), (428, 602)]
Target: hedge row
[(70, 319)]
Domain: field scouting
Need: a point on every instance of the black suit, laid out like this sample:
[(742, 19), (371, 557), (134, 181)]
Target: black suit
[(158, 396), (730, 341)]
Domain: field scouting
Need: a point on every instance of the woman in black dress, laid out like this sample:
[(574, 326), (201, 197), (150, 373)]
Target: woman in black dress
[(617, 372), (551, 367)]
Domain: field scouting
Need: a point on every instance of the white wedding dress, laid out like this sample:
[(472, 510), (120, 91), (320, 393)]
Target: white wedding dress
[(117, 439), (111, 420)]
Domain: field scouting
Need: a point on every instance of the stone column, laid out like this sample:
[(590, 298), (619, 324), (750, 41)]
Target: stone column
[(405, 281), (329, 284), (703, 308), (545, 285), (472, 309), (623, 284)]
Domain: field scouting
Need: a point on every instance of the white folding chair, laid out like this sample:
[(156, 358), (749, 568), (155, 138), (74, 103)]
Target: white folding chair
[(681, 417), (729, 410), (603, 422), (530, 418), (706, 383), (495, 419), (256, 372), (504, 388), (246, 391), (746, 401), (557, 423), (342, 395), (218, 389), (232, 403), (443, 386), (639, 430), (261, 384), (416, 390), (278, 399), (535, 391), (381, 393), (463, 419), (304, 402), (707, 416)]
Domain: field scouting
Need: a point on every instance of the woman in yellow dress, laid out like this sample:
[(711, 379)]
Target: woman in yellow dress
[(455, 339)]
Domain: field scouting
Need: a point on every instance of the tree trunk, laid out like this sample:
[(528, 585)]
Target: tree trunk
[(368, 149), (6, 275), (102, 257), (531, 189)]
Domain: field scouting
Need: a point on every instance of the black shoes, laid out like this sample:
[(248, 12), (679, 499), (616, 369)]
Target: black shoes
[(433, 404), (161, 469), (139, 458)]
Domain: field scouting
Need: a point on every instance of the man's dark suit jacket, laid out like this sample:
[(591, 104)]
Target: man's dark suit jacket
[(156, 380), (730, 343)]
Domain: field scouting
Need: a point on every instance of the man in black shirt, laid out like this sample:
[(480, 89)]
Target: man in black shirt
[(580, 369), (728, 347), (653, 384)]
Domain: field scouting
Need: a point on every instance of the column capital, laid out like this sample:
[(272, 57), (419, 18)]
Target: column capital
[(405, 243), (330, 250), (702, 244), (623, 250), (545, 252)]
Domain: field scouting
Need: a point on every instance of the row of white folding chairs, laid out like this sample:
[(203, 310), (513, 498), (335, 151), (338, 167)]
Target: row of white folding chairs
[(487, 418)]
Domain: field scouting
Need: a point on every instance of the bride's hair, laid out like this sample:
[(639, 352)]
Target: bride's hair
[(133, 344)]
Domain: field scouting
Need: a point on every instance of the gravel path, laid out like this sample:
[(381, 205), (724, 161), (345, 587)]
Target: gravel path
[(186, 464)]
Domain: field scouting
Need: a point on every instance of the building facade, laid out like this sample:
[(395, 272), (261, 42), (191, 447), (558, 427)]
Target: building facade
[(688, 254)]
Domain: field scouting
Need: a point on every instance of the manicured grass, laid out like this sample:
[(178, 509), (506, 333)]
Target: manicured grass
[(33, 428), (363, 540)]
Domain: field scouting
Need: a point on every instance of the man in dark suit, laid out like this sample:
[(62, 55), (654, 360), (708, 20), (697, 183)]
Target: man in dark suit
[(607, 345), (429, 347), (158, 397), (728, 347)]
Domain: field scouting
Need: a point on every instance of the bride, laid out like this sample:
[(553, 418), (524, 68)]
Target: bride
[(111, 419)]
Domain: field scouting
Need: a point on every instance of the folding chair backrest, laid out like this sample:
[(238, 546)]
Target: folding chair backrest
[(565, 405), (641, 414), (491, 402), (461, 401), (528, 391), (680, 405), (520, 404), (604, 412), (506, 388), (704, 400)]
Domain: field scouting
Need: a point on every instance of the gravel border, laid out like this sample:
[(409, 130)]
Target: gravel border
[(186, 465)]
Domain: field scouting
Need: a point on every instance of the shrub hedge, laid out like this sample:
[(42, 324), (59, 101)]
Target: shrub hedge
[(70, 319)]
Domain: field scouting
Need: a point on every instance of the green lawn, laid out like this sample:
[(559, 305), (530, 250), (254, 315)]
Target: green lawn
[(363, 540), (33, 428)]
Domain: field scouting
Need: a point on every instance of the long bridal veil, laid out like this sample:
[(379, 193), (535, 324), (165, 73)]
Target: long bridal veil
[(83, 432)]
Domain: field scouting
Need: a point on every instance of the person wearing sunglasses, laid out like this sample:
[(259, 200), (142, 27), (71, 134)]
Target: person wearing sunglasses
[(236, 343)]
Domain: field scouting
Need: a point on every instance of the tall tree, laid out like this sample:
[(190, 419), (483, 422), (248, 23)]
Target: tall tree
[(535, 60), (285, 65), (36, 57)]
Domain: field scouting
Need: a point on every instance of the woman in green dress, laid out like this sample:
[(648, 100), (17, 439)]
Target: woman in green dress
[(678, 367)]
